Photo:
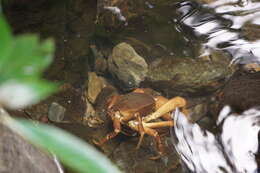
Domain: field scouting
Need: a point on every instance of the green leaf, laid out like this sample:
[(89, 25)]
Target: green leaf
[(71, 150), (5, 40), (28, 58), (23, 59)]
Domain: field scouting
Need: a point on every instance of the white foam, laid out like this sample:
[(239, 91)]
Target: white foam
[(233, 150)]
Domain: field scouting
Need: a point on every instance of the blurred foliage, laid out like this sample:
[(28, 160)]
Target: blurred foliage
[(22, 61)]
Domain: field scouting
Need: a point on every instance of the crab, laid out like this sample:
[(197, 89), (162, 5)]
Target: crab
[(137, 109)]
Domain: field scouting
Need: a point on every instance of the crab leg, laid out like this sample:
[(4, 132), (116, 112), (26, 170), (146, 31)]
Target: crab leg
[(117, 129), (140, 129), (159, 124), (159, 101), (157, 138), (151, 132), (167, 107)]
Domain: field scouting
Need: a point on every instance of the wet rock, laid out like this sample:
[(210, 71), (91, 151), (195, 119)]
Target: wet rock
[(56, 112), (208, 123), (17, 155), (90, 111), (198, 112), (90, 119), (251, 31), (127, 66), (198, 108), (100, 64), (95, 85), (142, 48), (186, 76), (241, 92)]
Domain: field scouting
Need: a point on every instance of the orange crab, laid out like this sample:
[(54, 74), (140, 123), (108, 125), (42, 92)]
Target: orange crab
[(137, 109)]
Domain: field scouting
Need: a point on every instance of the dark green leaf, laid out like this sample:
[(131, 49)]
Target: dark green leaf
[(5, 40)]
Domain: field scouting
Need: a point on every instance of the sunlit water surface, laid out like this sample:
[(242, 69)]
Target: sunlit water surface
[(219, 25), (232, 150)]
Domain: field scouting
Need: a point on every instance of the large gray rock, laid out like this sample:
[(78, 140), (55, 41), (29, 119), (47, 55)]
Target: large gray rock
[(127, 66), (185, 76), (19, 156)]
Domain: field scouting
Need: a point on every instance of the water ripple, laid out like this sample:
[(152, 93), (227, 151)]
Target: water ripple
[(218, 26)]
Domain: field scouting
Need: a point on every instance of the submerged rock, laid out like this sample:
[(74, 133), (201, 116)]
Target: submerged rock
[(56, 112), (251, 31), (95, 85), (127, 66), (90, 117), (241, 92), (183, 76), (198, 107)]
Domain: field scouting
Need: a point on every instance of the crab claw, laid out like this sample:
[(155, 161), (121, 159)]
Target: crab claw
[(159, 101), (167, 107)]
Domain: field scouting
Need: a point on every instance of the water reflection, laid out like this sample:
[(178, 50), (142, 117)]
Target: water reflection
[(231, 151), (219, 25)]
